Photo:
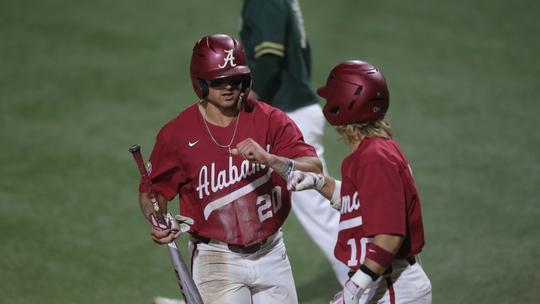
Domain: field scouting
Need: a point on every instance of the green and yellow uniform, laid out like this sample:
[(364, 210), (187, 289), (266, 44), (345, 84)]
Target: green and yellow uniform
[(279, 57), (278, 53)]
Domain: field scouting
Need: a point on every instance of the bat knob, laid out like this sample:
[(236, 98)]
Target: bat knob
[(135, 148)]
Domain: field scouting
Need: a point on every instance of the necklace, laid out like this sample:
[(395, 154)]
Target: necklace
[(228, 147)]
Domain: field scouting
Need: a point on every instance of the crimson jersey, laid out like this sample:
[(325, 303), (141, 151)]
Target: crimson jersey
[(378, 196), (230, 199)]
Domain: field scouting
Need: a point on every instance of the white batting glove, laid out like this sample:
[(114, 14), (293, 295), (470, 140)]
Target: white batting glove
[(349, 295), (183, 223), (351, 292), (299, 180), (158, 223), (338, 298), (335, 201)]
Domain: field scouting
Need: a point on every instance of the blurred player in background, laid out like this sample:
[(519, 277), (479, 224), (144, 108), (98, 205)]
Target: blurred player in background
[(227, 158), (380, 229), (278, 53)]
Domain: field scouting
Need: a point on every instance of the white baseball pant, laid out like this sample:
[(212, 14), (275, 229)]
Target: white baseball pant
[(407, 284), (264, 277)]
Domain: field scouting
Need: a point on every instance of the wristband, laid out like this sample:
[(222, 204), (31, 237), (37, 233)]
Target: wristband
[(290, 167), (374, 276), (361, 279), (379, 255)]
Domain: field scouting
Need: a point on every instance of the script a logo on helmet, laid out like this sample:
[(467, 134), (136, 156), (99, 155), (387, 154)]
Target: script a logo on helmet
[(230, 58)]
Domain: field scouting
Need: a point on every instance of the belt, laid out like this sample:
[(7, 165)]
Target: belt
[(232, 247), (410, 260)]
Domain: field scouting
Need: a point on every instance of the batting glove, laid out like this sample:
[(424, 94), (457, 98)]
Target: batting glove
[(170, 222), (299, 180), (157, 221), (338, 298), (183, 223), (335, 201), (349, 295)]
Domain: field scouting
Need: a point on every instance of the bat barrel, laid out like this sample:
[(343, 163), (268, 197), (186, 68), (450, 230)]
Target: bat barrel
[(187, 285)]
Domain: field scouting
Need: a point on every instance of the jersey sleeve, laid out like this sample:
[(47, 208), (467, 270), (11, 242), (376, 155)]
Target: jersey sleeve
[(264, 33), (286, 138), (265, 25), (383, 199), (164, 170)]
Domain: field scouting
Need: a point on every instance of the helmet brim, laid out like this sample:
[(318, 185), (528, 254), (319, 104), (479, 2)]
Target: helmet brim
[(323, 91), (236, 71)]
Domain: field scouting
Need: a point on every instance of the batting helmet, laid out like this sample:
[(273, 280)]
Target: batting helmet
[(218, 56), (355, 91)]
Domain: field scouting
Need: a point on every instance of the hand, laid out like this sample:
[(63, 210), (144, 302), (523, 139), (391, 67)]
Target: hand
[(338, 298), (173, 228), (299, 180), (349, 295), (252, 151), (164, 236)]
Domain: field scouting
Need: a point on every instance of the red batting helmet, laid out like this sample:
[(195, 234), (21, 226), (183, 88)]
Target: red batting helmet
[(355, 91), (218, 56)]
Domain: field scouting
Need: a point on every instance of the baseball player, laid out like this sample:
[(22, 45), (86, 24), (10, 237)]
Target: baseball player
[(278, 53), (380, 228), (226, 157)]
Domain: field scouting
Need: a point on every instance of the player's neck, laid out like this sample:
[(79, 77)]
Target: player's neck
[(354, 145), (216, 115)]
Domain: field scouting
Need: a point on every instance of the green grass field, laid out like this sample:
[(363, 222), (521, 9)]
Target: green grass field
[(80, 81)]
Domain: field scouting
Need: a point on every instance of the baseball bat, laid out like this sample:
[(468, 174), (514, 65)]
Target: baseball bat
[(185, 281)]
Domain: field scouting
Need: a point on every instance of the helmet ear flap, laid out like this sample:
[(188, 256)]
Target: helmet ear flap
[(204, 88), (246, 84)]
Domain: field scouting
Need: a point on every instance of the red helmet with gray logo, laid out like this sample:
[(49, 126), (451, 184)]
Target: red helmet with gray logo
[(218, 56), (355, 91)]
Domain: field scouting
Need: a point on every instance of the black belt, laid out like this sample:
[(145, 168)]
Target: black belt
[(232, 247), (411, 260)]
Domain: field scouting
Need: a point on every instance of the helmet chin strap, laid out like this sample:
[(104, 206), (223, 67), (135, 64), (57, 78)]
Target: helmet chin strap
[(240, 103)]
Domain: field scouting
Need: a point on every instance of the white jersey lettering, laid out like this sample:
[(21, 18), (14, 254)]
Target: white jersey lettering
[(238, 193), (229, 59), (225, 178), (203, 182), (349, 205)]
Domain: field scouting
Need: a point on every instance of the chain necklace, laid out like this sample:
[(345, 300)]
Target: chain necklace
[(228, 147)]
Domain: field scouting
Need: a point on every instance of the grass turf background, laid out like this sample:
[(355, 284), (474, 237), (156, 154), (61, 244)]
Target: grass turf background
[(80, 81)]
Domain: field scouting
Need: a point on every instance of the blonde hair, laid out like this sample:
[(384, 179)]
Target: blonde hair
[(355, 132)]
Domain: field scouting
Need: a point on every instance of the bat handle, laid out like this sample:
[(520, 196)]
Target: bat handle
[(135, 150)]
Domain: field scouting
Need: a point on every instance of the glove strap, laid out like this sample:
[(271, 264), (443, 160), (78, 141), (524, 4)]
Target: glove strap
[(320, 180), (362, 279), (369, 272), (290, 168)]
